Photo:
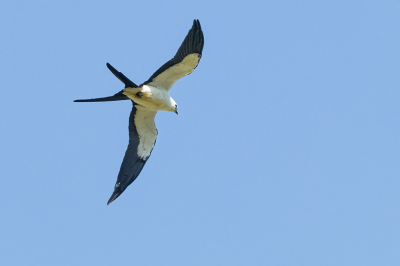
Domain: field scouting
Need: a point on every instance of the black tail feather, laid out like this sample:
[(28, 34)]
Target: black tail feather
[(116, 97), (128, 83)]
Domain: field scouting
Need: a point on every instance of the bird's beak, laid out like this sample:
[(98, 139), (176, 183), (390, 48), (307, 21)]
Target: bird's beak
[(176, 111)]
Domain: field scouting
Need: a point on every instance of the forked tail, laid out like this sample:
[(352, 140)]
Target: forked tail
[(118, 96)]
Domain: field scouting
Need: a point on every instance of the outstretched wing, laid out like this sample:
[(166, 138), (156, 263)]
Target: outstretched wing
[(184, 62), (142, 138)]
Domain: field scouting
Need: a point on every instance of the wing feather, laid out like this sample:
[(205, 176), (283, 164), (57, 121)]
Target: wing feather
[(184, 62), (142, 138)]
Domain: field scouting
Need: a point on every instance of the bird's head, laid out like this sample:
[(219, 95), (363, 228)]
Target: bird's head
[(173, 106)]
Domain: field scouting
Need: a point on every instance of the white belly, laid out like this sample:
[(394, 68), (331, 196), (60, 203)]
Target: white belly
[(151, 98)]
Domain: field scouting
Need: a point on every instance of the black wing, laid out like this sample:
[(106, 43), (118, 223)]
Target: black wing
[(142, 138), (183, 63)]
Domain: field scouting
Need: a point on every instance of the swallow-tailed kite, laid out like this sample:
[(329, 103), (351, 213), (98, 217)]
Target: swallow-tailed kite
[(147, 99)]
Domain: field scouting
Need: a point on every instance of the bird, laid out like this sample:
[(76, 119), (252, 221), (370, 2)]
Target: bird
[(147, 99)]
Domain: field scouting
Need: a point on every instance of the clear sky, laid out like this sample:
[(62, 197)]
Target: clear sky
[(285, 150)]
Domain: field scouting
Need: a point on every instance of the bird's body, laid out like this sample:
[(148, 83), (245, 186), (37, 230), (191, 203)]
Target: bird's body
[(148, 98), (152, 98)]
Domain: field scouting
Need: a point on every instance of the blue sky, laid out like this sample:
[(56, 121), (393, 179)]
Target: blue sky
[(285, 150)]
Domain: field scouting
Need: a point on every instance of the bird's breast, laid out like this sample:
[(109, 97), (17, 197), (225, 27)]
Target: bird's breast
[(151, 97)]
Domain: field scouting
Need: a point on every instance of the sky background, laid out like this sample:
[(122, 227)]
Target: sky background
[(285, 151)]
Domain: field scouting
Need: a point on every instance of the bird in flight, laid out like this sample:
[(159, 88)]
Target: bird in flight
[(147, 99)]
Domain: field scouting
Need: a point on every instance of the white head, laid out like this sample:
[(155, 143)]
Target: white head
[(174, 105)]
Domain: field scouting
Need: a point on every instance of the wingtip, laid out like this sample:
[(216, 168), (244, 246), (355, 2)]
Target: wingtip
[(110, 200), (114, 196), (196, 24)]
